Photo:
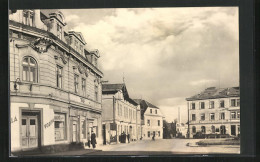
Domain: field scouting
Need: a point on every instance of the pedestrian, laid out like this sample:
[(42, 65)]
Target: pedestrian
[(128, 138), (124, 137), (88, 140), (93, 139)]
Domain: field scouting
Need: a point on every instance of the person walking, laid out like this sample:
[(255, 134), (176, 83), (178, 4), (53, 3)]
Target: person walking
[(88, 140), (93, 139)]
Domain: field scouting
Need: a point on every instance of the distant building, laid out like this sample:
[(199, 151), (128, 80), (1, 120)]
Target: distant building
[(181, 129), (151, 119), (119, 113), (55, 90), (215, 111)]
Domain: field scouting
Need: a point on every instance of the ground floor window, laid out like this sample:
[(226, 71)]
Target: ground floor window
[(60, 126), (83, 129), (213, 130), (193, 129), (203, 129), (148, 133), (159, 134)]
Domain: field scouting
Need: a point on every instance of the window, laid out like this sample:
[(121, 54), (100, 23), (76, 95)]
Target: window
[(83, 129), (29, 69), (238, 115), (193, 117), (222, 115), (202, 105), (159, 122), (233, 102), (76, 83), (96, 93), (148, 133), (202, 117), (238, 102), (212, 116), (203, 129), (217, 129), (193, 106), (118, 112), (193, 129), (159, 133), (59, 76), (59, 31), (238, 128), (213, 129), (28, 17), (211, 104), (60, 125), (148, 122), (222, 103), (84, 86), (233, 115), (151, 111), (155, 111)]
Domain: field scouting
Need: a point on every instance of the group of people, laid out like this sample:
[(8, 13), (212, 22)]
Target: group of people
[(123, 136), (92, 140)]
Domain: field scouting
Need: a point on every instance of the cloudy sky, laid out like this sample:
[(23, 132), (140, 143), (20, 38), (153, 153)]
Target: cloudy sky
[(164, 54)]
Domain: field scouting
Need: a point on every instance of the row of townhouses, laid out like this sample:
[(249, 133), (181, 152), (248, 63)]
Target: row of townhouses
[(214, 111), (56, 93)]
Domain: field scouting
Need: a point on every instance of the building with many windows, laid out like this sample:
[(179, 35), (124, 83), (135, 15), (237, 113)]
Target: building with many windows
[(214, 111), (119, 113), (151, 120), (55, 90)]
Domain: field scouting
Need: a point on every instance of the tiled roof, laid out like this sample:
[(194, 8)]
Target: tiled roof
[(112, 87), (143, 106), (213, 92)]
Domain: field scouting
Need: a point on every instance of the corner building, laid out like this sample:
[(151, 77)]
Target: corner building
[(215, 111), (55, 90)]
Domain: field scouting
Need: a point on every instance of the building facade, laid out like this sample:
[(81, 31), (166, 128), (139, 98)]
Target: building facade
[(55, 90), (214, 111), (151, 120), (119, 113)]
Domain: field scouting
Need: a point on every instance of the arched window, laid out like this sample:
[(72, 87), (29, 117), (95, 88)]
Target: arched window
[(193, 129), (30, 69)]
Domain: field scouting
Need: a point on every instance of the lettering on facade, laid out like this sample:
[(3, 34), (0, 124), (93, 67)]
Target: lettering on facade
[(13, 120), (48, 124)]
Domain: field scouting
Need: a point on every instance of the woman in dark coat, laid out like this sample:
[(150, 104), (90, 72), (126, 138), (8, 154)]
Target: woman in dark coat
[(93, 139)]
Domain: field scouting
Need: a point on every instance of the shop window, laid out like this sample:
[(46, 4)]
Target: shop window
[(60, 126), (222, 103), (59, 76), (30, 69), (76, 83)]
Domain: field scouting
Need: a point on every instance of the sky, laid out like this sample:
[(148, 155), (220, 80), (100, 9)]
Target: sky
[(165, 55)]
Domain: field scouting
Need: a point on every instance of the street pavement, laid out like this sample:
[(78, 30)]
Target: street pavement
[(164, 147)]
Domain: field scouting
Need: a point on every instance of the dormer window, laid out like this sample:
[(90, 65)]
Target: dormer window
[(59, 31), (28, 17)]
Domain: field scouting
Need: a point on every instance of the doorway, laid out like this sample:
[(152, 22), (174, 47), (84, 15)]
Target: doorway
[(30, 130), (233, 130), (104, 133), (222, 129), (74, 132)]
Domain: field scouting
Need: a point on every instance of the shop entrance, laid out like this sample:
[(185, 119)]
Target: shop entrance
[(30, 130), (233, 130)]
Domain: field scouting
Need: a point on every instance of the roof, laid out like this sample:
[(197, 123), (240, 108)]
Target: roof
[(47, 12), (78, 35), (144, 105), (213, 92)]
